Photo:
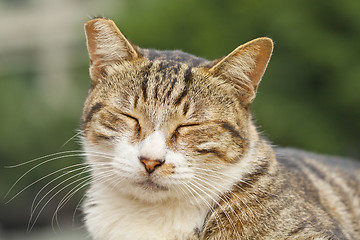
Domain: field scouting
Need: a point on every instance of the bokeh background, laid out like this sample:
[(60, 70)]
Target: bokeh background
[(309, 97)]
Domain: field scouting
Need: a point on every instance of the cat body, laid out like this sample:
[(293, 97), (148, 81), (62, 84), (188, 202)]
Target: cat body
[(174, 153)]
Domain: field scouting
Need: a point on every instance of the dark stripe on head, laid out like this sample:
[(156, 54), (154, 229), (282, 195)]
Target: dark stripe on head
[(136, 99), (186, 108), (172, 84), (187, 79), (144, 86), (156, 91), (104, 137), (227, 126), (163, 66), (108, 126), (297, 228), (94, 109)]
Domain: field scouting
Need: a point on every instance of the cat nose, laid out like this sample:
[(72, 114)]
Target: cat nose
[(151, 164)]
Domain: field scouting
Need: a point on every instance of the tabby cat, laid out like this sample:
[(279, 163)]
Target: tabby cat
[(174, 153)]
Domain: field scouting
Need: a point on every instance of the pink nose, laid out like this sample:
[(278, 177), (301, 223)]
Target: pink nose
[(150, 164)]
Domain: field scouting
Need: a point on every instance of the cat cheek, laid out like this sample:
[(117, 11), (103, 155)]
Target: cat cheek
[(167, 170)]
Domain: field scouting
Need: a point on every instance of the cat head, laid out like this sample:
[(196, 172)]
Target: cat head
[(167, 124)]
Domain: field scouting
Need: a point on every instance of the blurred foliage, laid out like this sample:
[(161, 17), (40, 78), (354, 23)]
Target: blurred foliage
[(309, 97)]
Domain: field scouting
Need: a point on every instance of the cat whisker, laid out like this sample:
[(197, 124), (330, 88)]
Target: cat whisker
[(36, 166), (33, 209), (42, 178), (71, 138), (219, 192), (223, 178), (75, 153), (202, 188), (44, 157), (186, 192), (55, 194), (66, 198), (209, 206), (228, 181), (78, 205), (35, 205)]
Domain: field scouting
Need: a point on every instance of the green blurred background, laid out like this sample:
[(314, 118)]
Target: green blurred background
[(309, 97)]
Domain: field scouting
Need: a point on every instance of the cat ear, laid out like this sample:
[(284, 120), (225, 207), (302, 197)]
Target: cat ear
[(106, 45), (245, 66)]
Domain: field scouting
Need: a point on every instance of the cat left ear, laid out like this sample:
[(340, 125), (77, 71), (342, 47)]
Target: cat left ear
[(244, 67), (106, 45)]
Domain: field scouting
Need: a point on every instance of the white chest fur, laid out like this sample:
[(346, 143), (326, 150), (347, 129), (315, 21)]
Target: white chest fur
[(113, 217)]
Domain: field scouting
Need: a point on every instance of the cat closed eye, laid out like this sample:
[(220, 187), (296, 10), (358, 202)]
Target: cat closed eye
[(134, 119), (188, 125), (131, 117), (176, 132)]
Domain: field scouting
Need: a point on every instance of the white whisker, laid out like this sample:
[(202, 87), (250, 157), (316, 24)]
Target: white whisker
[(215, 201), (33, 211), (71, 138)]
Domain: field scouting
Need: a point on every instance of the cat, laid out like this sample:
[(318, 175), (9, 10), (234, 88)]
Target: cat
[(175, 155)]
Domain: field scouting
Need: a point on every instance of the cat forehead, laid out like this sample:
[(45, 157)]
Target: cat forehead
[(174, 57)]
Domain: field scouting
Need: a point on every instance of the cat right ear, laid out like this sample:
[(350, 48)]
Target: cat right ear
[(244, 67), (106, 45)]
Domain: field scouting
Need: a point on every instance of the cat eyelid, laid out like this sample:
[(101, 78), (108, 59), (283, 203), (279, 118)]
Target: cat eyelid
[(188, 125), (124, 114), (129, 116)]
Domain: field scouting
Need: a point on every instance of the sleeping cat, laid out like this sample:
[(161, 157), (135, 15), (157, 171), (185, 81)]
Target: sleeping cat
[(175, 155)]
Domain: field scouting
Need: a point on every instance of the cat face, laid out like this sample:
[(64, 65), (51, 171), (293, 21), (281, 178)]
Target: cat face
[(162, 124)]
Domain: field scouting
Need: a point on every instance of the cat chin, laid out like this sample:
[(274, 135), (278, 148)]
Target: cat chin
[(150, 196), (145, 191), (151, 186)]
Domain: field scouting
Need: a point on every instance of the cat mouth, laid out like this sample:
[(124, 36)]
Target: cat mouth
[(149, 185)]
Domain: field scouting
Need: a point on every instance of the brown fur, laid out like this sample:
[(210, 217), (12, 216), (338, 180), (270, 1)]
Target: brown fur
[(285, 193)]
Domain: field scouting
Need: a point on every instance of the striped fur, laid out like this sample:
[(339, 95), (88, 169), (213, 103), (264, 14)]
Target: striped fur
[(175, 155)]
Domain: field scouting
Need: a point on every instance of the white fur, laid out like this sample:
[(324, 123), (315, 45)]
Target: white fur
[(119, 217), (153, 147), (120, 207)]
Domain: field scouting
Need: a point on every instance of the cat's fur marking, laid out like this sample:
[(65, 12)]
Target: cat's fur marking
[(174, 153)]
